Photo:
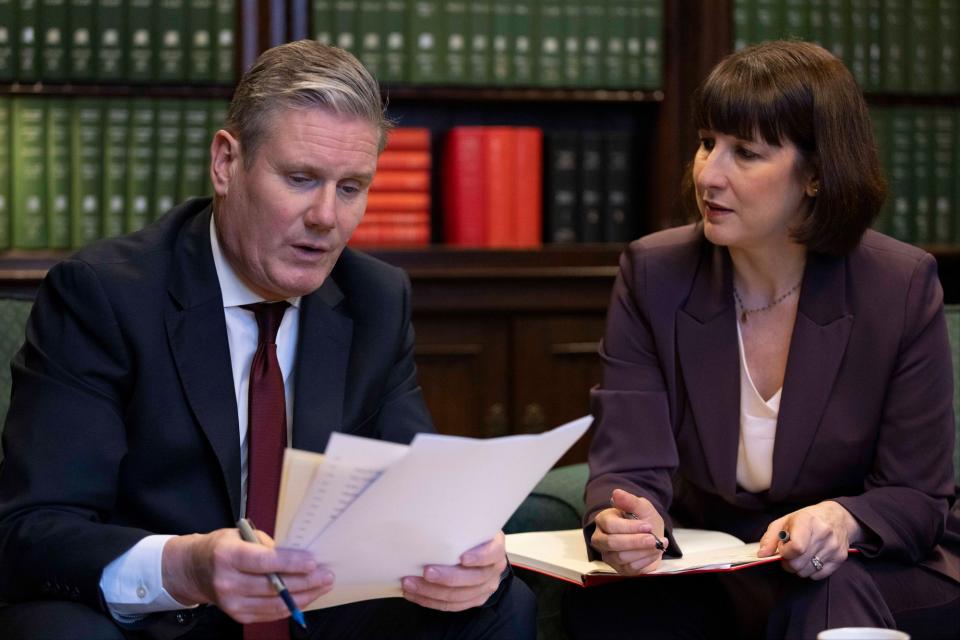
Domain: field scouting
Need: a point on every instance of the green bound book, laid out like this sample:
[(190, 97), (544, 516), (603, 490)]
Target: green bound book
[(573, 43), (83, 38), (837, 29), (956, 183), (8, 40), (200, 34), (923, 46), (455, 48), (893, 52), (922, 175), (594, 19), (652, 44), (796, 19), (425, 36), (945, 173), (139, 36), (140, 157), (86, 158), (171, 41), (28, 27), (116, 135), (614, 50), (741, 24), (321, 15), (633, 46), (194, 143), (167, 123), (57, 172), (395, 43), (549, 61), (27, 156), (346, 18), (880, 116), (5, 186), (858, 58), (111, 23), (948, 62), (370, 27), (523, 43), (501, 65), (874, 46), (767, 20), (899, 165), (224, 24), (817, 22), (54, 38)]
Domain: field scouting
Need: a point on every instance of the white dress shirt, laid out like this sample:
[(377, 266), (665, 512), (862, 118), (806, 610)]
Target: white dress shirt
[(758, 430), (132, 584)]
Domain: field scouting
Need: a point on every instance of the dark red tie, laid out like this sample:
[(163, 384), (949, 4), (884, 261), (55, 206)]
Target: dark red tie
[(266, 439)]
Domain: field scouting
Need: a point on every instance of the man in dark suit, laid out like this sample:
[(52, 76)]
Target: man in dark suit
[(128, 437)]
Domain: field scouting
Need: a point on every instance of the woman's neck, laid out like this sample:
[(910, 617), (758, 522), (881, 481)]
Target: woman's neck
[(764, 274)]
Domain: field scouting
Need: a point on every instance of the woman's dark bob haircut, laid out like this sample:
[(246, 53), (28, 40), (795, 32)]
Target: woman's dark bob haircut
[(798, 91)]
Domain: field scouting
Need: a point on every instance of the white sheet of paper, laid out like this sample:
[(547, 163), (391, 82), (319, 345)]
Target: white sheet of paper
[(445, 496)]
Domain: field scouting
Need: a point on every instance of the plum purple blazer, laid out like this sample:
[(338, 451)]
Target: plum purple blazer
[(866, 415)]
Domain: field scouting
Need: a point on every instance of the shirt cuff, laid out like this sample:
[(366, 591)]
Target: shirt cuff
[(132, 584)]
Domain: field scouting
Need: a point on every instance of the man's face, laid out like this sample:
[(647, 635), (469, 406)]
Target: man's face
[(283, 222)]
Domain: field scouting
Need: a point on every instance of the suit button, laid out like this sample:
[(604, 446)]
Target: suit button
[(181, 617)]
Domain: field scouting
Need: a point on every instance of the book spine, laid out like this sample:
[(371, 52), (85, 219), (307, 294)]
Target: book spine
[(550, 48), (426, 24), (618, 225), (561, 178), (396, 180), (54, 38), (591, 186), (346, 18), (528, 190), (5, 171), (8, 40), (594, 19), (395, 41), (321, 16), (193, 151), (464, 187), (500, 156), (168, 122), (943, 139), (409, 139), (141, 164), (893, 51), (391, 159), (28, 26), (83, 38), (900, 166), (875, 72), (766, 20), (86, 157), (573, 43), (921, 152), (880, 116), (479, 58), (652, 44), (922, 46), (948, 64), (139, 35), (614, 51), (741, 24), (796, 19), (57, 173), (370, 35), (225, 56), (956, 183), (837, 29), (501, 64), (523, 43), (859, 42), (456, 36), (200, 32), (171, 41), (633, 45), (111, 19), (27, 151), (116, 134), (398, 201)]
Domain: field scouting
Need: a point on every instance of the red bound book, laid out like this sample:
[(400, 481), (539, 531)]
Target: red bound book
[(500, 160), (395, 180), (528, 193), (464, 187), (409, 139), (397, 201), (401, 218), (404, 160)]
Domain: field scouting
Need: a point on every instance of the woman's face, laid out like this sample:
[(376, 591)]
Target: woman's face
[(749, 192)]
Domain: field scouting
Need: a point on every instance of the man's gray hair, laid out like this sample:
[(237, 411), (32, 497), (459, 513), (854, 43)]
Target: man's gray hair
[(299, 75)]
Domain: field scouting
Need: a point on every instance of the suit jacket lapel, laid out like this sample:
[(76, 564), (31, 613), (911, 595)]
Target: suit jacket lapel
[(197, 334), (709, 359), (819, 341), (322, 357)]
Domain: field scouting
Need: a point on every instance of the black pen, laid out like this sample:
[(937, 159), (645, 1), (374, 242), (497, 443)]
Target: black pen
[(632, 516), (246, 532)]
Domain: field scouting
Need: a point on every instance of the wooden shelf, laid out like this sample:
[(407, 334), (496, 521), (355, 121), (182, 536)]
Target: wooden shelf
[(490, 94), (125, 90)]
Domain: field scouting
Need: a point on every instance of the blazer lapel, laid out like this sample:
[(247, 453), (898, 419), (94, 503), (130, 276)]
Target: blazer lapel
[(709, 361), (197, 334), (322, 357), (817, 347)]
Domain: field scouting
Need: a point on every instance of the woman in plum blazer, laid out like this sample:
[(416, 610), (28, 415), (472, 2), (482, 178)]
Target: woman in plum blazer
[(776, 367)]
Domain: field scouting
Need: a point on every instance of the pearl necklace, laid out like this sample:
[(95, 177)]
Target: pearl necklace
[(744, 312)]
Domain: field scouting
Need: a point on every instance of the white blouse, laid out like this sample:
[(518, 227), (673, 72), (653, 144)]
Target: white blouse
[(758, 430)]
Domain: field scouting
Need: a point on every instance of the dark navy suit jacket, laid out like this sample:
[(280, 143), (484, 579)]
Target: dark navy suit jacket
[(123, 418), (866, 413)]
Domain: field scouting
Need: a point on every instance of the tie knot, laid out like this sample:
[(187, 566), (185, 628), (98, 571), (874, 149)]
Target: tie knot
[(269, 316)]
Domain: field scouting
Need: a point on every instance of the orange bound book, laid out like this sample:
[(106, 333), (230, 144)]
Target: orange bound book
[(394, 180), (464, 187), (398, 201), (404, 160), (409, 138), (379, 235), (396, 217), (500, 156), (528, 194)]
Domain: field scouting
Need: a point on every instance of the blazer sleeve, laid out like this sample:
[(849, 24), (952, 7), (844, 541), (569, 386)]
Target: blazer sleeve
[(910, 488), (633, 446), (65, 442)]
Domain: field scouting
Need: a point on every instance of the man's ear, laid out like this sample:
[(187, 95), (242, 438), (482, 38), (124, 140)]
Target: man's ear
[(225, 160)]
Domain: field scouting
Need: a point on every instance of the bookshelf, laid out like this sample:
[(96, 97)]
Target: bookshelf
[(506, 339)]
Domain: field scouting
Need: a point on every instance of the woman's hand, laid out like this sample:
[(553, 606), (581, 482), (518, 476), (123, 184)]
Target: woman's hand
[(625, 543), (820, 536)]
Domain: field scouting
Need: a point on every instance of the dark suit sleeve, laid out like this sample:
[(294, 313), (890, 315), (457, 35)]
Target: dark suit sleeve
[(908, 492), (633, 445), (65, 443)]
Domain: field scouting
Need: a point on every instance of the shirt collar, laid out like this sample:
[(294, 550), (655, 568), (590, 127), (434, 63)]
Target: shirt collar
[(233, 291)]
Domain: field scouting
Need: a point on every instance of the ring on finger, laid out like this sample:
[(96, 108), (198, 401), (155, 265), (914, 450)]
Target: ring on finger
[(817, 563)]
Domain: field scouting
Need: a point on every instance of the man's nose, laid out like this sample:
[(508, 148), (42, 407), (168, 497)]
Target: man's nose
[(322, 212)]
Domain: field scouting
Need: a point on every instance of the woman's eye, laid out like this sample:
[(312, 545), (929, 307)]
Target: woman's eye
[(745, 153), (707, 143)]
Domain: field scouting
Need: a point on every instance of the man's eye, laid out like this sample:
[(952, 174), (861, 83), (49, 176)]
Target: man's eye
[(349, 189), (299, 180)]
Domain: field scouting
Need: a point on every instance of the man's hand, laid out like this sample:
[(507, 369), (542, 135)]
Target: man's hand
[(463, 586), (822, 531), (626, 544), (222, 569)]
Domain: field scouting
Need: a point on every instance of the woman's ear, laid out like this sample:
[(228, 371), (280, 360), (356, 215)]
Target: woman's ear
[(225, 158), (813, 188)]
